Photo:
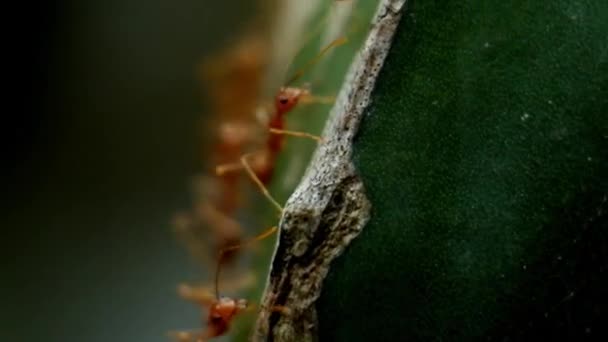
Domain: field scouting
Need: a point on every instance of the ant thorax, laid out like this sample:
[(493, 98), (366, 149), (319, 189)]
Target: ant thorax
[(288, 97)]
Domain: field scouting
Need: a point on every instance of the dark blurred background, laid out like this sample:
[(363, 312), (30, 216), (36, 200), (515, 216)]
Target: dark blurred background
[(100, 147)]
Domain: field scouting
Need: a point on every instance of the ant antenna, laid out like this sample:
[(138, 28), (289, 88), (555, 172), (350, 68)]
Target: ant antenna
[(315, 60), (268, 232)]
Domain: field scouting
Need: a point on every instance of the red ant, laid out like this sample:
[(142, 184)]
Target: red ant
[(262, 167), (238, 69), (210, 224), (233, 135), (222, 310)]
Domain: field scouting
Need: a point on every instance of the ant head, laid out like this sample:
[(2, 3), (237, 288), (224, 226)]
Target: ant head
[(221, 314), (223, 311), (288, 97)]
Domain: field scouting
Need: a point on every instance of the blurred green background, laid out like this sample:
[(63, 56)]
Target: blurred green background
[(100, 156)]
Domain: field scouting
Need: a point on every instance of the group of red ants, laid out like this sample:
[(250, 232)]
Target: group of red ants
[(220, 205)]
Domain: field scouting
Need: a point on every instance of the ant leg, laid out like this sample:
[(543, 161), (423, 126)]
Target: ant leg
[(268, 232), (220, 170), (244, 164), (309, 99), (258, 182), (296, 134), (283, 310), (200, 295), (336, 42)]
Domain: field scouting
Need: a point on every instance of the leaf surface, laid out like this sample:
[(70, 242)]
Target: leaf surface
[(484, 154)]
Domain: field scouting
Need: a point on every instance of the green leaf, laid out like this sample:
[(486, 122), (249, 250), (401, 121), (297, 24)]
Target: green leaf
[(484, 155)]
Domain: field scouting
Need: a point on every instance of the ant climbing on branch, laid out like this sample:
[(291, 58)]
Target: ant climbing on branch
[(237, 135), (285, 100), (222, 309), (211, 223)]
